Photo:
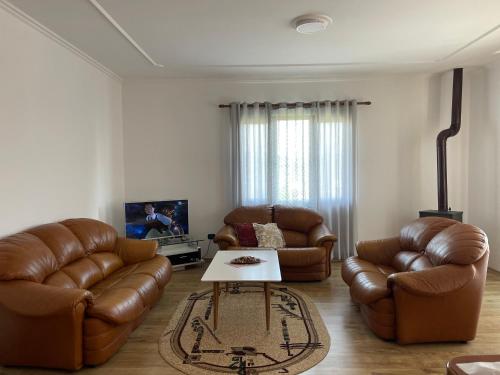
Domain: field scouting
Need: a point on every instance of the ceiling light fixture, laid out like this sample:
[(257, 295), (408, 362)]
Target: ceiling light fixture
[(311, 23)]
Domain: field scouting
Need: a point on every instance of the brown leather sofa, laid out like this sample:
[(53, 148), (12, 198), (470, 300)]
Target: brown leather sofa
[(71, 293), (425, 285), (309, 242)]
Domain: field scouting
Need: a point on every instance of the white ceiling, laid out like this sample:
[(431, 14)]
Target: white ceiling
[(255, 39)]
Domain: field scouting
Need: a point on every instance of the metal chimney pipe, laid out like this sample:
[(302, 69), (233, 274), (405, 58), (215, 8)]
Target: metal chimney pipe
[(456, 114)]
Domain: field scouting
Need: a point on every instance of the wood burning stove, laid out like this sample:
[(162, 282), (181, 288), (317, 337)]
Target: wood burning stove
[(442, 179)]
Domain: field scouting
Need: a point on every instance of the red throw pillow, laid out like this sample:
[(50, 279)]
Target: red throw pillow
[(246, 234)]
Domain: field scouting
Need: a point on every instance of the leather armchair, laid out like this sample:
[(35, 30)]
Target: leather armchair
[(425, 285), (309, 242), (71, 292)]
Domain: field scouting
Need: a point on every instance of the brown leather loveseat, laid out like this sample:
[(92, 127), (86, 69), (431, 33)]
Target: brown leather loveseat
[(309, 242), (71, 293), (425, 285)]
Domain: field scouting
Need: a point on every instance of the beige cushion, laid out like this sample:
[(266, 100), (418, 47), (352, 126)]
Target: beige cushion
[(269, 235)]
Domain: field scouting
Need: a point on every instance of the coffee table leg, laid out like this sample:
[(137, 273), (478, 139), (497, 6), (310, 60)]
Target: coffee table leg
[(268, 305), (216, 304), (227, 287)]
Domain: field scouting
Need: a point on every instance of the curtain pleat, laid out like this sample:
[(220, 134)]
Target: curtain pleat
[(235, 152), (298, 156)]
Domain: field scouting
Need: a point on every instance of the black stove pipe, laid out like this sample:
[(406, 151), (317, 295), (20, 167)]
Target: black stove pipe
[(456, 114)]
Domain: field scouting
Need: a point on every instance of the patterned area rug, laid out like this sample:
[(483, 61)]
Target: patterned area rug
[(297, 340)]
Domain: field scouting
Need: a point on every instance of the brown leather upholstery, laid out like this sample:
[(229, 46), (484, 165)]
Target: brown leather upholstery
[(425, 285), (308, 241), (71, 293), (296, 218), (250, 214)]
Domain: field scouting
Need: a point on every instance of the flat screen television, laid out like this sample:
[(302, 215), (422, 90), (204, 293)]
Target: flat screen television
[(145, 220)]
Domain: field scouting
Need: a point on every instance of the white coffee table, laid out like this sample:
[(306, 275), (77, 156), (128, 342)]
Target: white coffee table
[(220, 271)]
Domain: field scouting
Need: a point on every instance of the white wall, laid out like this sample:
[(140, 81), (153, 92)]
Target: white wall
[(176, 143), (484, 162), (61, 133)]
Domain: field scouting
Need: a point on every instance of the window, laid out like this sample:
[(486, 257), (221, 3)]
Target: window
[(297, 156), (291, 161)]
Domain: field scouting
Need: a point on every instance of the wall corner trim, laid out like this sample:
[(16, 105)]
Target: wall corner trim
[(22, 16)]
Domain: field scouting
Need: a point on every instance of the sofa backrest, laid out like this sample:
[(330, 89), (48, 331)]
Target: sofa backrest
[(73, 253), (414, 238), (416, 235), (250, 214), (296, 219), (460, 244), (433, 241)]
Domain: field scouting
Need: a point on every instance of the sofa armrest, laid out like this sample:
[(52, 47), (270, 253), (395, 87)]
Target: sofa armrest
[(134, 251), (41, 325), (437, 304), (378, 251), (225, 237), (30, 299), (320, 235), (434, 281)]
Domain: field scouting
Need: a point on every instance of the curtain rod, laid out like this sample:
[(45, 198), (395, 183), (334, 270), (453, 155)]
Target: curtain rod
[(294, 105)]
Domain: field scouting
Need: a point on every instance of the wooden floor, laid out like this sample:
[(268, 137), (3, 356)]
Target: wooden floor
[(354, 349)]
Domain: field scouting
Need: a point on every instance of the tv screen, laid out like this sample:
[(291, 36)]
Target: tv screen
[(146, 220)]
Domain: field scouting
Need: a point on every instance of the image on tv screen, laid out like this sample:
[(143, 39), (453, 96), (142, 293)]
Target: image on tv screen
[(146, 220)]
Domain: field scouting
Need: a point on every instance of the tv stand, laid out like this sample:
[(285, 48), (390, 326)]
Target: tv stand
[(182, 252)]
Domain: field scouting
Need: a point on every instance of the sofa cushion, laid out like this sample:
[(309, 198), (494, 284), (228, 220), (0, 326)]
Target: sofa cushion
[(296, 218), (386, 270), (402, 260), (294, 239), (117, 305), (145, 285), (421, 263), (84, 272), (133, 288), (250, 214), (354, 265), (369, 287), (107, 262), (24, 256), (246, 234), (61, 280), (158, 268), (94, 235), (301, 257), (458, 244), (269, 235), (416, 235), (61, 241)]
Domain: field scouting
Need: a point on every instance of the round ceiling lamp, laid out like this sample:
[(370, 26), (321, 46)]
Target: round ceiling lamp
[(311, 23)]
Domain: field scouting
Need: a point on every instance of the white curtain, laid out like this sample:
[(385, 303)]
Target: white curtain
[(300, 157)]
